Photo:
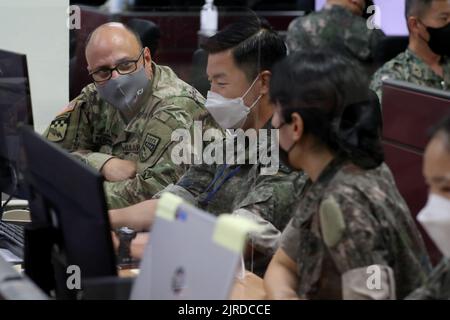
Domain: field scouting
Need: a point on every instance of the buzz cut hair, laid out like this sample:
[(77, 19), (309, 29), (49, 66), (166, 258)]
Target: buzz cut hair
[(128, 28), (417, 8)]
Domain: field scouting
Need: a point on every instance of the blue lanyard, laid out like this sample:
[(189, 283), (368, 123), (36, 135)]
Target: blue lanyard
[(212, 193)]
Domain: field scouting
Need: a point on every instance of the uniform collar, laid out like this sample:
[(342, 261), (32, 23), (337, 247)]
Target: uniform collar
[(420, 69), (330, 170)]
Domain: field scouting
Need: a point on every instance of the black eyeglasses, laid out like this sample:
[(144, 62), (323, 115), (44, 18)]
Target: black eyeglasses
[(104, 74), (280, 126)]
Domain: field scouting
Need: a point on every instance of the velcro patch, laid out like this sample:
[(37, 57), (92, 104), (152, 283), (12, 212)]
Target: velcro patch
[(58, 129), (148, 146), (68, 108), (130, 147), (332, 222)]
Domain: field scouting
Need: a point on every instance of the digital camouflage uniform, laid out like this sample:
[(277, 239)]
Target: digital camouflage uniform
[(350, 219), (336, 27), (410, 68), (243, 190), (437, 286), (95, 132)]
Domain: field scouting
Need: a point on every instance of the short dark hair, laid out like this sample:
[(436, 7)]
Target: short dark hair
[(133, 32), (416, 7), (254, 44), (147, 31), (442, 128), (332, 95)]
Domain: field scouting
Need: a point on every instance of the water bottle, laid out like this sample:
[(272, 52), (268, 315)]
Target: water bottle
[(209, 18)]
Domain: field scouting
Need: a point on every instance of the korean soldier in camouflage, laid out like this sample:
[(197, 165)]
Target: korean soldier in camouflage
[(339, 26), (349, 220), (234, 56), (241, 189), (436, 169), (130, 143), (352, 219), (426, 61)]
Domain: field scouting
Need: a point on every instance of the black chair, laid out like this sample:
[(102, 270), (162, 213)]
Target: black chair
[(148, 31), (198, 78), (389, 48)]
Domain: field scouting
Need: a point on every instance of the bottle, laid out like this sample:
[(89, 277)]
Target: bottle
[(117, 6), (209, 19)]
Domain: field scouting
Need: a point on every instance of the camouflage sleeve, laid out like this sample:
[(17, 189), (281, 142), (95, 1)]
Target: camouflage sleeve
[(350, 232), (290, 240), (437, 287), (156, 168), (297, 38), (271, 203), (72, 130), (94, 159), (388, 71), (192, 183), (355, 245), (197, 178)]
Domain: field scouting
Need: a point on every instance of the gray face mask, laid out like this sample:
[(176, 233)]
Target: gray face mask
[(124, 92)]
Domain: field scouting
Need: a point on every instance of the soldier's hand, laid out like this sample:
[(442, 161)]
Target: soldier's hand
[(118, 170)]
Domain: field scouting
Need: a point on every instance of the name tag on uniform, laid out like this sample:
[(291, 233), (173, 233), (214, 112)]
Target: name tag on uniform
[(130, 147)]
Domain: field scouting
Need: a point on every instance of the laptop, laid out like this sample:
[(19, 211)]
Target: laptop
[(192, 254)]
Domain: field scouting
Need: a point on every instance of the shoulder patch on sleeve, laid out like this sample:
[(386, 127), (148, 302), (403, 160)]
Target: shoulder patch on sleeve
[(58, 128), (148, 146), (331, 221), (163, 116)]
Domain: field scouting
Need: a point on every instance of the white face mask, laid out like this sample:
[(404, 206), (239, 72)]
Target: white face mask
[(229, 113), (435, 218)]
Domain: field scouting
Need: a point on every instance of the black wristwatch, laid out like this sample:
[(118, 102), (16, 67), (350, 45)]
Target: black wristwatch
[(126, 235)]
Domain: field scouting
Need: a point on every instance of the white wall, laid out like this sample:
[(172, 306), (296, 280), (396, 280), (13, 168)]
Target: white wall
[(38, 29)]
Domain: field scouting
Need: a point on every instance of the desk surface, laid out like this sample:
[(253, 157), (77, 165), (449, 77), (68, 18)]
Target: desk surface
[(249, 288)]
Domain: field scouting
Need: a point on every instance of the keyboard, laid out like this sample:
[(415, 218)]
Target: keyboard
[(12, 238)]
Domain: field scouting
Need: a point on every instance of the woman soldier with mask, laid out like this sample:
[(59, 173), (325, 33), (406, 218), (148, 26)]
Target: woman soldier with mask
[(352, 235)]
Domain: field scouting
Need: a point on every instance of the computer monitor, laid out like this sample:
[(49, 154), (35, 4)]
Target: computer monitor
[(409, 111), (70, 225), (15, 111)]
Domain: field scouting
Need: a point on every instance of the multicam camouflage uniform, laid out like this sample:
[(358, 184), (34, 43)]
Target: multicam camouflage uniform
[(338, 28), (409, 67), (437, 286), (243, 190), (95, 132), (350, 219)]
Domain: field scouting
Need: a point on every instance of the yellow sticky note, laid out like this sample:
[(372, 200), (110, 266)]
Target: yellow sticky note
[(167, 206), (231, 231)]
